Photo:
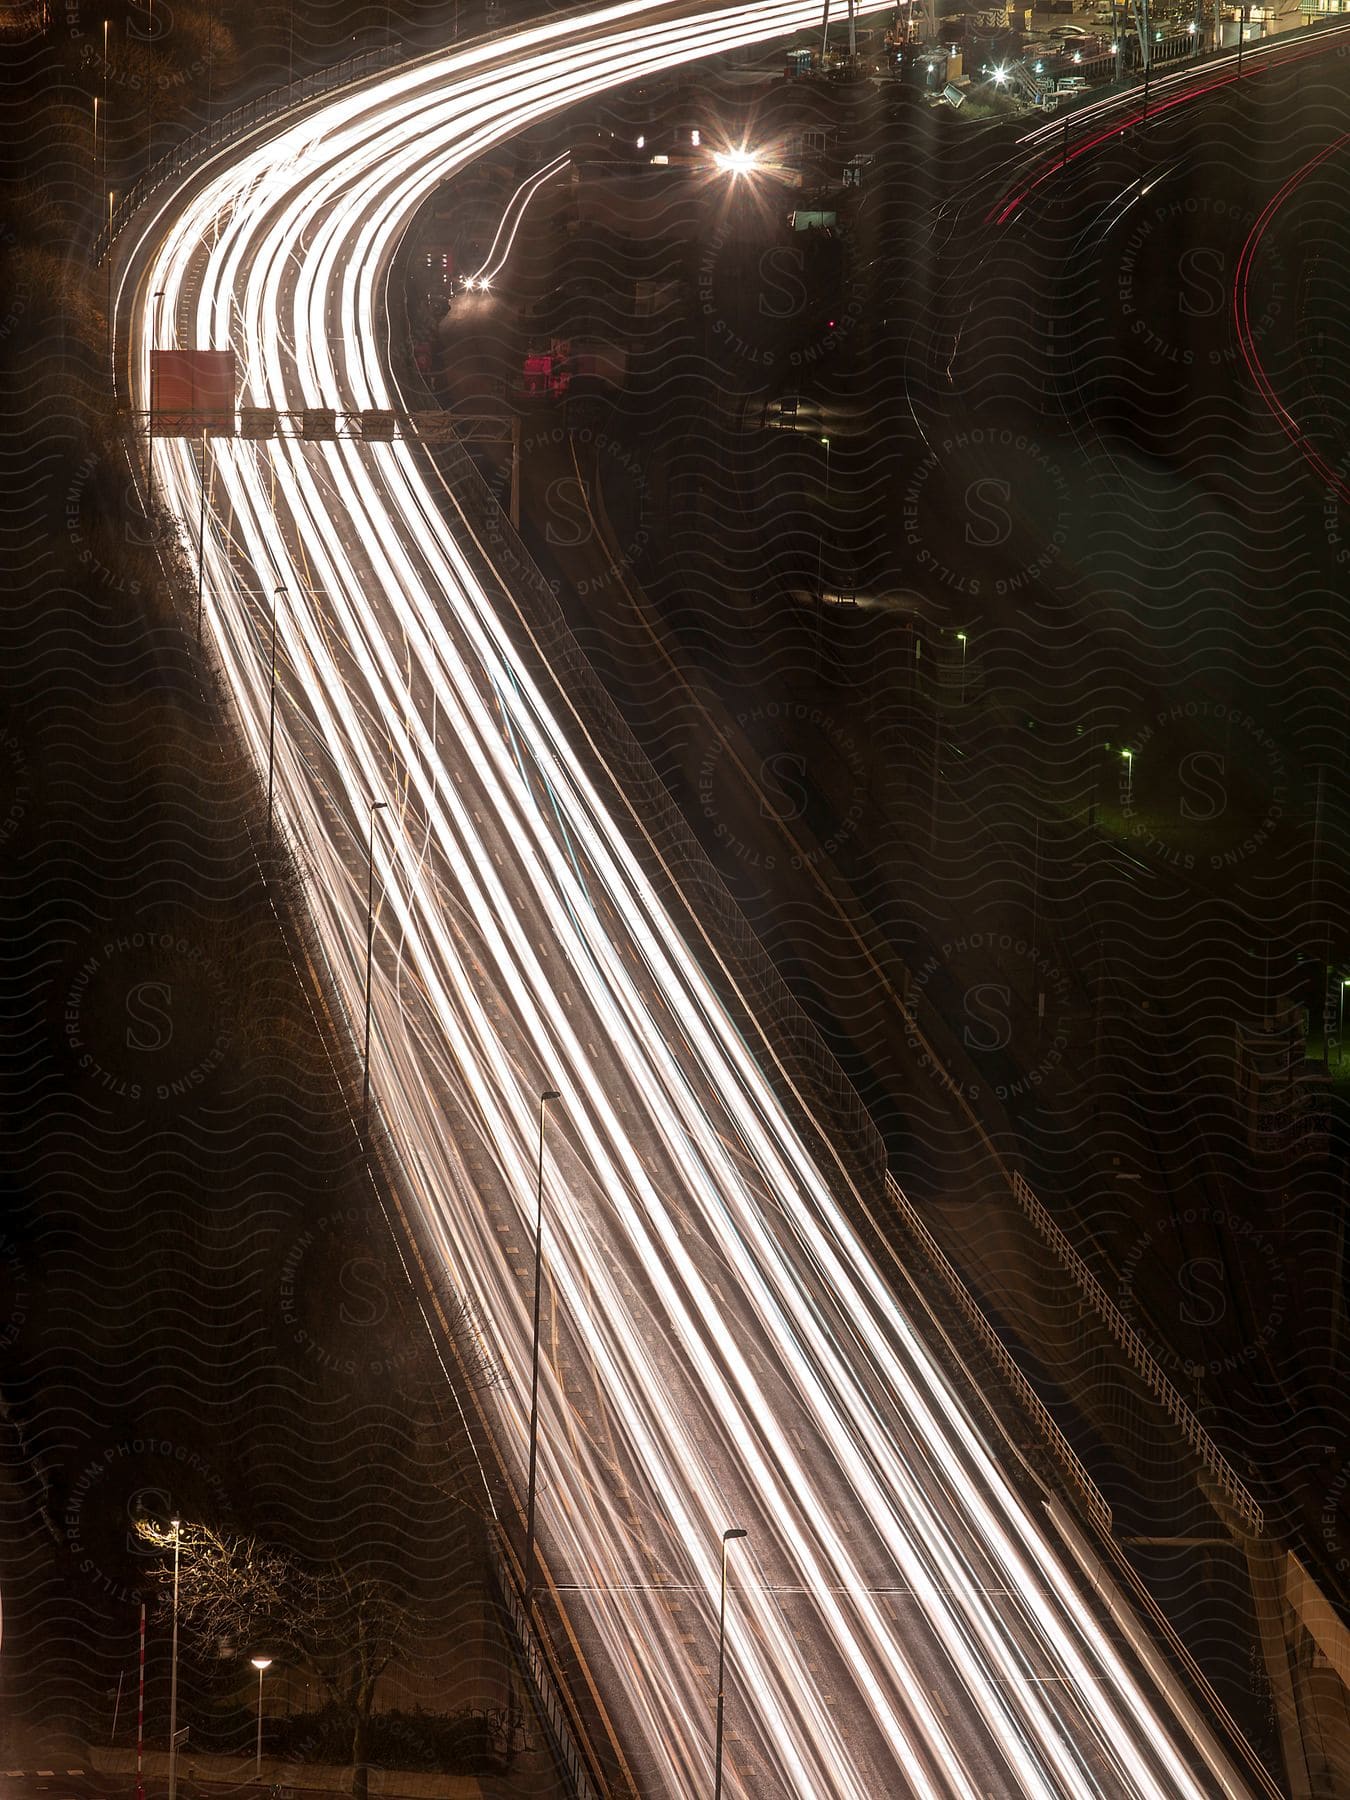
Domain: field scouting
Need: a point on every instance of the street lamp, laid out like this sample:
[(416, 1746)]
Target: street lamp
[(544, 1098), (1127, 757), (272, 687), (260, 1663), (732, 1532), (736, 162), (961, 639), (375, 806), (173, 1670)]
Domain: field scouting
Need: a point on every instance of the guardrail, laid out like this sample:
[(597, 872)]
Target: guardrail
[(1041, 1416), (547, 1697), (237, 123), (1213, 1459)]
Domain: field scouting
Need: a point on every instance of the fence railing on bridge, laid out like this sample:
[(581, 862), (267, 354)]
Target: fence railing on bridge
[(1063, 1451), (1221, 1471), (236, 123), (586, 1784)]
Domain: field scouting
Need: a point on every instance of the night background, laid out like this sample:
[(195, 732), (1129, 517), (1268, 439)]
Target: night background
[(682, 869)]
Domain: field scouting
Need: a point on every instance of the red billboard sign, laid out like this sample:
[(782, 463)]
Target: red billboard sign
[(192, 391)]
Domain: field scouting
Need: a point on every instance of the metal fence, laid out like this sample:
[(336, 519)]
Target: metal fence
[(237, 123), (1055, 1439), (1220, 1469), (586, 1785)]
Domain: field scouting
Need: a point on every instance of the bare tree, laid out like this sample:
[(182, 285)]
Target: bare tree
[(343, 1627)]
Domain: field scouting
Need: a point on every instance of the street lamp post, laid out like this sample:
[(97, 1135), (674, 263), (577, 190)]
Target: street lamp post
[(112, 328), (103, 187), (1145, 28), (820, 536), (375, 806), (530, 1485), (201, 542), (732, 1532), (173, 1670), (104, 164), (272, 686), (150, 462), (260, 1663), (961, 639), (149, 96), (1127, 757)]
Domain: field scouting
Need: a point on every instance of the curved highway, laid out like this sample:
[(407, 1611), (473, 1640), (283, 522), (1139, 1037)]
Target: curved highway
[(719, 1347)]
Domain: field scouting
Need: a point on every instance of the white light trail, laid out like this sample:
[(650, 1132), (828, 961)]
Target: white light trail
[(724, 1347), (493, 264)]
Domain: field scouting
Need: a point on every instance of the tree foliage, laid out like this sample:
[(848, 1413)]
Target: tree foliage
[(241, 1595)]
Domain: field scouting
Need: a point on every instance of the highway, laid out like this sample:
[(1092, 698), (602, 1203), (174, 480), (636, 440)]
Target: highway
[(720, 1347)]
